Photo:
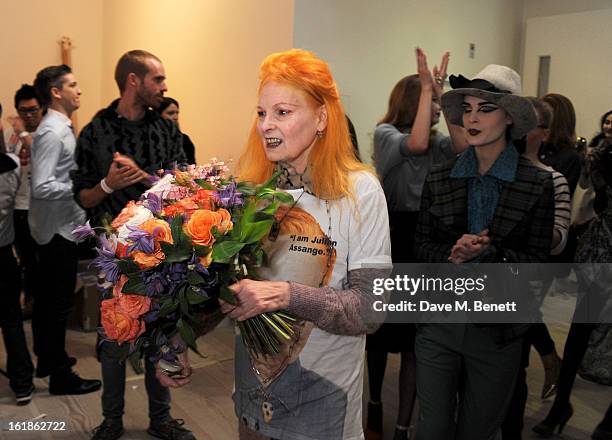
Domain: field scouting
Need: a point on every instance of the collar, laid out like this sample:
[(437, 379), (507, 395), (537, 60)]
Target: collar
[(62, 117), (111, 113), (289, 179), (503, 169)]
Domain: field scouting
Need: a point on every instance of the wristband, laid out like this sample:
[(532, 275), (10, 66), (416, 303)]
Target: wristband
[(107, 189), (24, 134)]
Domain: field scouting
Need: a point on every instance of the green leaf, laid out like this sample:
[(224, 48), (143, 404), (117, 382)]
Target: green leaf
[(271, 182), (194, 278), (246, 188), (225, 250), (194, 298), (225, 294), (181, 250), (204, 184), (201, 251), (167, 306), (127, 266), (134, 285), (187, 334), (136, 363), (283, 197), (257, 231), (183, 301)]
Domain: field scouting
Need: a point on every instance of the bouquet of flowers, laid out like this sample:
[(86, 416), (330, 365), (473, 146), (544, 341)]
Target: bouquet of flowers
[(166, 260)]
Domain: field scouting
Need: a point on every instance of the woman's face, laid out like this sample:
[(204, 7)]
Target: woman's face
[(485, 123), (538, 135), (171, 113), (435, 111), (288, 122), (607, 126)]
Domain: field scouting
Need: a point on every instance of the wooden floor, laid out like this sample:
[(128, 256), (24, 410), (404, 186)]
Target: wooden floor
[(206, 404)]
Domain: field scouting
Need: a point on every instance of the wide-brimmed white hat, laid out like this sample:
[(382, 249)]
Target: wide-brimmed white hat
[(497, 84)]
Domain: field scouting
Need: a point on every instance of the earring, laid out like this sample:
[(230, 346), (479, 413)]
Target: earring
[(319, 134)]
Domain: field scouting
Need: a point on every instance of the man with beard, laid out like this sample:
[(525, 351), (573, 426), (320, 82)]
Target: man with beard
[(117, 154), (19, 142)]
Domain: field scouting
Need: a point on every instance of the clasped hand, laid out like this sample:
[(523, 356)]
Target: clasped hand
[(469, 246), (124, 172)]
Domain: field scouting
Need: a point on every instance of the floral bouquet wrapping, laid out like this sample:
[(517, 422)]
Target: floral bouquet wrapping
[(166, 259)]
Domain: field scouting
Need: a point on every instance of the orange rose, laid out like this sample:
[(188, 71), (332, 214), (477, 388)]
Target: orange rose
[(131, 304), (226, 224), (173, 210), (206, 199), (184, 206), (199, 226), (118, 287), (147, 261), (134, 305), (125, 214), (159, 229), (117, 324)]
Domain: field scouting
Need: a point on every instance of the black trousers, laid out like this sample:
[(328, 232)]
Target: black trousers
[(26, 251), (18, 363), (53, 302)]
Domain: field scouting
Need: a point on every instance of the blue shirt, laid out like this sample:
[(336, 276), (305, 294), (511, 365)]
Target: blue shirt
[(484, 191), (52, 206)]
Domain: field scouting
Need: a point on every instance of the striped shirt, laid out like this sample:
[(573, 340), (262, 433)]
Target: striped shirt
[(562, 209)]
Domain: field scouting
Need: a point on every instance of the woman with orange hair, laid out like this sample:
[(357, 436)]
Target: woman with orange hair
[(324, 252)]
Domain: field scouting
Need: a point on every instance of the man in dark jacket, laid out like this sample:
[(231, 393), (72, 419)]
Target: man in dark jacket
[(117, 155)]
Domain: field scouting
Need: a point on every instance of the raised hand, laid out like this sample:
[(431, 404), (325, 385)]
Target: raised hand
[(439, 74), (422, 69)]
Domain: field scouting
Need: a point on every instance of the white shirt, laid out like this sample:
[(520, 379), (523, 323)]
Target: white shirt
[(52, 206)]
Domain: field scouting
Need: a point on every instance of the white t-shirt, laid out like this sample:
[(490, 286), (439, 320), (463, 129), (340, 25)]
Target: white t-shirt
[(358, 232)]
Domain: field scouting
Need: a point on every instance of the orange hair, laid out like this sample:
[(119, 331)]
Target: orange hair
[(332, 157)]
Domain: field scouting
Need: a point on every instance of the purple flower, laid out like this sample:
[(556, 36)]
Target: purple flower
[(155, 283), (151, 180), (142, 240), (106, 264), (154, 203), (229, 197), (177, 272), (83, 231), (151, 315)]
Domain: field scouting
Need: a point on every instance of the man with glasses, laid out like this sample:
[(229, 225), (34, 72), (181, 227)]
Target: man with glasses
[(18, 142)]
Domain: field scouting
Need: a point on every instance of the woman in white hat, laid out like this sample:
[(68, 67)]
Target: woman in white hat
[(489, 205)]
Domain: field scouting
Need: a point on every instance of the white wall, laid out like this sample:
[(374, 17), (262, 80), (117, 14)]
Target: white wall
[(30, 33), (545, 8), (211, 51), (581, 62), (370, 45)]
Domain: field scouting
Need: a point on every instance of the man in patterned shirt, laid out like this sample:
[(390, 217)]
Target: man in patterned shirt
[(117, 153)]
